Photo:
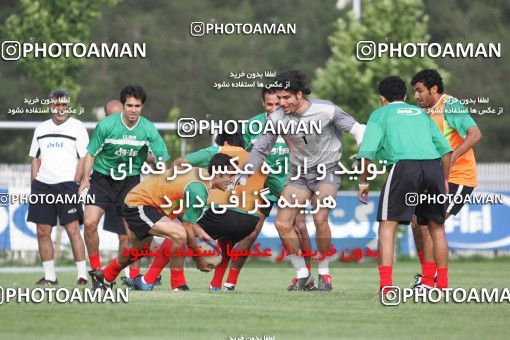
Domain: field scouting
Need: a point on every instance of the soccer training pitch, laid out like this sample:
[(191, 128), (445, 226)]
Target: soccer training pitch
[(261, 306)]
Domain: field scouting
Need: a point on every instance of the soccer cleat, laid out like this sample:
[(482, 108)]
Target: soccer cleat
[(293, 284), (44, 282), (417, 281), (182, 288), (422, 286), (98, 281), (305, 283), (138, 284), (127, 281), (325, 283), (82, 281), (158, 281), (229, 287), (214, 288)]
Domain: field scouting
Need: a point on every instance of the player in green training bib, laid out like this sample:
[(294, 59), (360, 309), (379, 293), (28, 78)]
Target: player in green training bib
[(116, 152)]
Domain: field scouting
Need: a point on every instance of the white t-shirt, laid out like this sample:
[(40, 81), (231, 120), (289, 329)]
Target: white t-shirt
[(59, 147)]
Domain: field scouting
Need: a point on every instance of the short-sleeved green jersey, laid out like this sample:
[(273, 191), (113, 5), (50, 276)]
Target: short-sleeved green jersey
[(194, 190), (279, 156), (401, 131), (113, 143)]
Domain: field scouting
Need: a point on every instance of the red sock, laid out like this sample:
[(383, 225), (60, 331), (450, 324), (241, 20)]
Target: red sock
[(421, 256), (112, 270), (232, 276), (308, 266), (160, 262), (428, 270), (177, 278), (95, 261), (385, 277), (219, 271), (134, 272), (442, 278)]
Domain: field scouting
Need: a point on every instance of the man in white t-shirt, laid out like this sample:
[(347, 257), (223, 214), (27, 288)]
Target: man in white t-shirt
[(58, 149)]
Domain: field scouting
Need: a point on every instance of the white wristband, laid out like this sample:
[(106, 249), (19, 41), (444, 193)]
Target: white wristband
[(363, 186)]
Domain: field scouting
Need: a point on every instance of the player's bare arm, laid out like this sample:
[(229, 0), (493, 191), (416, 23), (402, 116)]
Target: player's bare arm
[(473, 136)]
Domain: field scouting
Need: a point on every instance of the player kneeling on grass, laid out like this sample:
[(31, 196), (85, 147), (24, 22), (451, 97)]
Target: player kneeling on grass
[(229, 227), (146, 218), (412, 144)]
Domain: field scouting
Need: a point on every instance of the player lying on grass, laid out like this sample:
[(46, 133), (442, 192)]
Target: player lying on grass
[(147, 214), (311, 149), (409, 140), (275, 181), (230, 227), (462, 133)]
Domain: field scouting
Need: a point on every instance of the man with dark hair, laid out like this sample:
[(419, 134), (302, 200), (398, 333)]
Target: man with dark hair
[(309, 149), (462, 133), (116, 152), (58, 150), (146, 210), (411, 143), (232, 226), (275, 181)]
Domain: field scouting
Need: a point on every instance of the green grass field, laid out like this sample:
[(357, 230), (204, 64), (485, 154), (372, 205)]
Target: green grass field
[(261, 306)]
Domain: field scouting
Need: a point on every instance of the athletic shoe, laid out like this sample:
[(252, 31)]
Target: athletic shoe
[(182, 288), (138, 284), (44, 282), (293, 284), (325, 283), (305, 283), (422, 286), (82, 281), (214, 288), (229, 287), (417, 281), (98, 281), (127, 281), (158, 281)]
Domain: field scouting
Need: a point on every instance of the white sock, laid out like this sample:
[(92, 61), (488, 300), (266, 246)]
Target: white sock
[(324, 267), (126, 271), (299, 263), (81, 267), (49, 270)]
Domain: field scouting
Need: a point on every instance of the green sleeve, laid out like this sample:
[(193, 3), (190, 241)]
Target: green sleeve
[(201, 158), (438, 139), (157, 145), (457, 116), (195, 191), (373, 137), (248, 145), (97, 140)]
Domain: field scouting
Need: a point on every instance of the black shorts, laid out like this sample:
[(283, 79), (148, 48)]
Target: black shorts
[(108, 192), (267, 211), (232, 225), (406, 181), (43, 213), (113, 221), (457, 190), (141, 219)]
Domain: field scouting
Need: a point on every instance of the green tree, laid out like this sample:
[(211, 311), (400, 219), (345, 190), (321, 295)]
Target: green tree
[(351, 83), (52, 21)]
